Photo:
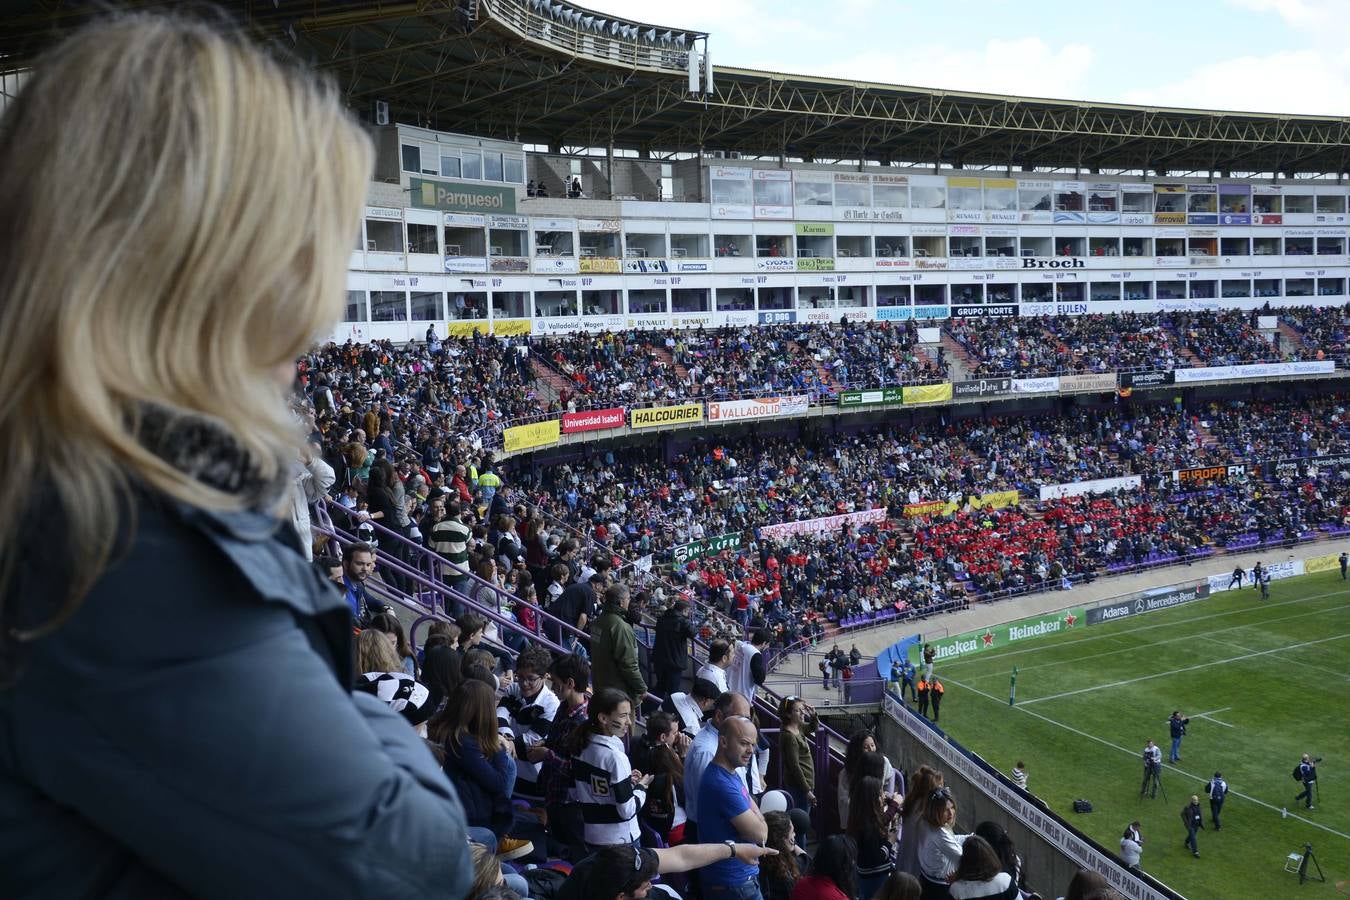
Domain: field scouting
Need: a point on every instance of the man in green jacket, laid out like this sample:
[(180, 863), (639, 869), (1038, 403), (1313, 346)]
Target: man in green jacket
[(614, 653)]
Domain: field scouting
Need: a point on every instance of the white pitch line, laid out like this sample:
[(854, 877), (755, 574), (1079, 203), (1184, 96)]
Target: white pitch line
[(1204, 665), (1295, 662), (1092, 737), (1134, 647), (1208, 717), (1115, 634)]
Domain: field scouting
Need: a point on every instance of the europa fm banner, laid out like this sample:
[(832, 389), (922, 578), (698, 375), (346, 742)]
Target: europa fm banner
[(684, 414), (1001, 635), (762, 408), (537, 434), (594, 420)]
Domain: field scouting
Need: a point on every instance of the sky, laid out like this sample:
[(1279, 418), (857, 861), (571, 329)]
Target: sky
[(1280, 56)]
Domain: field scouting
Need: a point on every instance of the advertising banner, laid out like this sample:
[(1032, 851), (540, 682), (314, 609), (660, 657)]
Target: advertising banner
[(994, 500), (1102, 381), (928, 393), (1255, 370), (1047, 385), (821, 229), (1277, 571), (684, 414), (706, 547), (509, 327), (824, 525), (778, 317), (1145, 379), (984, 387), (536, 434), (1149, 601), (888, 396), (815, 264), (456, 196), (1198, 476), (1294, 466), (929, 508), (762, 408), (461, 328), (997, 311), (1329, 562), (1093, 486), (600, 265), (1001, 635), (594, 420), (466, 264)]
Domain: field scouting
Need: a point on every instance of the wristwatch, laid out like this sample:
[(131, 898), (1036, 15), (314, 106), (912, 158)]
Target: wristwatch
[(731, 846)]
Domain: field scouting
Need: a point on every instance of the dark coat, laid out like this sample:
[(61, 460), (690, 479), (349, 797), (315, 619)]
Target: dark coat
[(480, 782), (671, 647), (190, 731)]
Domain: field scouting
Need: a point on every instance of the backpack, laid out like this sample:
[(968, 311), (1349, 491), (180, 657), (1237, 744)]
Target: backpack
[(1298, 772), (1082, 806)]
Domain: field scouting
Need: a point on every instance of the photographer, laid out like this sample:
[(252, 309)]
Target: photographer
[(1306, 772), (1177, 724), (1152, 768)]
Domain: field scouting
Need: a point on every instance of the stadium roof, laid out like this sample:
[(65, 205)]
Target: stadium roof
[(551, 72)]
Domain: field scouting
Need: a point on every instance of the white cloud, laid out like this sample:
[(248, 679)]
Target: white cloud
[(1309, 82)]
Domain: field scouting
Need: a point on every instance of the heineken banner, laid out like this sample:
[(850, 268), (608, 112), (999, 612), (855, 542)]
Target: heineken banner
[(706, 547), (928, 393), (887, 396), (1001, 635)]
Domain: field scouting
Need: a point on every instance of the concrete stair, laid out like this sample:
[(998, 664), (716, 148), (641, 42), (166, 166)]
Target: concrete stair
[(797, 349), (1290, 338), (958, 360), (549, 379), (665, 356)]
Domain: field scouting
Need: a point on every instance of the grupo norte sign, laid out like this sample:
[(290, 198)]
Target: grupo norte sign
[(1002, 635)]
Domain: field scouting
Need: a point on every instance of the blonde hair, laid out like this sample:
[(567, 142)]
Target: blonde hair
[(178, 210), (374, 653)]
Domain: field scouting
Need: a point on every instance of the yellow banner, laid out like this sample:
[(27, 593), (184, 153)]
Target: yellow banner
[(956, 182), (1000, 184), (996, 500), (1169, 218), (604, 265), (465, 329), (511, 326), (537, 434), (930, 508), (684, 414), (1327, 563), (927, 393), (1169, 189)]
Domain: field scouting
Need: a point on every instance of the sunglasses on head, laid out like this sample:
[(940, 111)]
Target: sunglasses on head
[(941, 793)]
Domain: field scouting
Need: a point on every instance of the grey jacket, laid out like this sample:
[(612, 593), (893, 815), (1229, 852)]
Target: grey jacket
[(190, 731)]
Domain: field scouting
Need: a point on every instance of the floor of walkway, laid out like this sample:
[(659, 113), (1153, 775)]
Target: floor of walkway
[(988, 615)]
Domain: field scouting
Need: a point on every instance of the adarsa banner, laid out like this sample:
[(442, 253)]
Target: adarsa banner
[(928, 393), (536, 434), (761, 408), (594, 420), (824, 525), (683, 414)]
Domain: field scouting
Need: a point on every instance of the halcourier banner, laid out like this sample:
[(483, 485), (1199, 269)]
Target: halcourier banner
[(1002, 635)]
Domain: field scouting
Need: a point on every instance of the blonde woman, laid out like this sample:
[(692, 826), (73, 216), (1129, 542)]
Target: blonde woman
[(178, 210)]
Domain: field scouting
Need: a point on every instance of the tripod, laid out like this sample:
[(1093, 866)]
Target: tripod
[(1153, 778), (1303, 866)]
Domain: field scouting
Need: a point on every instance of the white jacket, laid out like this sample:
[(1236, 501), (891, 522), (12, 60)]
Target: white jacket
[(311, 484), (940, 853), (1130, 851)]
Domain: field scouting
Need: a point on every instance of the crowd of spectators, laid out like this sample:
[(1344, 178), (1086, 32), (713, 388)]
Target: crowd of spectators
[(1323, 330)]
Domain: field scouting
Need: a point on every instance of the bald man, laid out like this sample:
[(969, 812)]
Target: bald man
[(728, 814)]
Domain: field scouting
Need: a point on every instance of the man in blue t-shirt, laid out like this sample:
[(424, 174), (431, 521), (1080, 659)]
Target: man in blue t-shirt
[(727, 814)]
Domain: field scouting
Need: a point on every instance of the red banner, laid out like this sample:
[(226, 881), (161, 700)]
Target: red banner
[(594, 420)]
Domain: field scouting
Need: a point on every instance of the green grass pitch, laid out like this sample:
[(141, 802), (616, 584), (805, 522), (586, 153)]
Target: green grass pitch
[(1262, 682)]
